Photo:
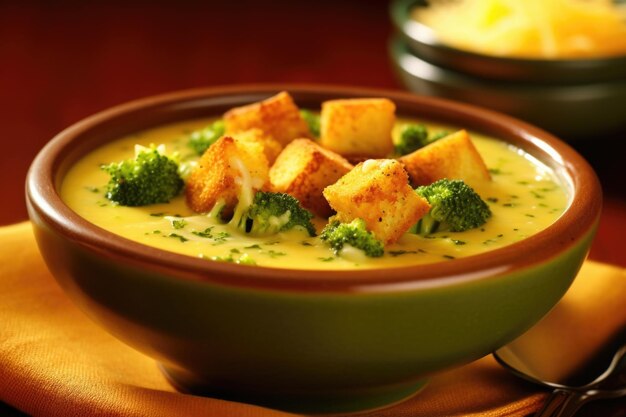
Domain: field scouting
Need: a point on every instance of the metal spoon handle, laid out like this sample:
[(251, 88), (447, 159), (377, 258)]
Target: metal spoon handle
[(562, 403)]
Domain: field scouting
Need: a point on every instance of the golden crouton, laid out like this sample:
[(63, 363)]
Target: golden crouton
[(278, 116), (304, 169), (358, 127), (227, 171), (452, 157), (271, 147), (378, 192)]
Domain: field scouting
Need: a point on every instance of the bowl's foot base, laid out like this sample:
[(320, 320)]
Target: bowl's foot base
[(315, 402)]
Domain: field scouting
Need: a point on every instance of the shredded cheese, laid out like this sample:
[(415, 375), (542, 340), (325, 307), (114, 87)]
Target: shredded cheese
[(530, 28)]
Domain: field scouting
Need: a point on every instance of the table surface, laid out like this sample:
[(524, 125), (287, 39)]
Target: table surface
[(62, 61)]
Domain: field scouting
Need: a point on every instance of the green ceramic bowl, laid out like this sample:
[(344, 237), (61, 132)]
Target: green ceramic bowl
[(301, 340), (573, 98)]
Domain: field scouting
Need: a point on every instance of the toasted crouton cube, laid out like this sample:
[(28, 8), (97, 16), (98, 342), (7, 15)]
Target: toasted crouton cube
[(358, 127), (278, 116), (304, 169), (378, 192), (452, 157), (271, 147), (227, 171)]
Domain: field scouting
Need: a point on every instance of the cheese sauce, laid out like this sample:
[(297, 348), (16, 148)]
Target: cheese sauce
[(524, 196), (537, 29)]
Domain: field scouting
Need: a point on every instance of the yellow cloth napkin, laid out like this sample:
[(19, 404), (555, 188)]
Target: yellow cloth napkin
[(55, 362)]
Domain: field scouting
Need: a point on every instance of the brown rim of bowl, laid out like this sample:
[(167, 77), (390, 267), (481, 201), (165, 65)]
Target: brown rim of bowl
[(45, 204)]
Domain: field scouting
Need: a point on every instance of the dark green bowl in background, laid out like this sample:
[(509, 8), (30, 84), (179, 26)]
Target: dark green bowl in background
[(302, 340), (574, 98)]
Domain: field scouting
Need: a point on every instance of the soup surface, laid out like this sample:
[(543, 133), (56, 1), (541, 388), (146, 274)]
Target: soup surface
[(524, 198), (565, 29)]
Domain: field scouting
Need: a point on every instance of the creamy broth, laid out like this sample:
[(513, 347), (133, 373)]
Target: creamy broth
[(538, 29), (524, 198)]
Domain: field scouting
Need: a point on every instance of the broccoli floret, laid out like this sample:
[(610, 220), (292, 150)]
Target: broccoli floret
[(200, 140), (150, 178), (412, 137), (355, 234), (455, 207), (415, 136), (271, 213), (313, 120)]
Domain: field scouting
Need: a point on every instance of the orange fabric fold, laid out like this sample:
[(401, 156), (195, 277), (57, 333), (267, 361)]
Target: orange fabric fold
[(55, 362)]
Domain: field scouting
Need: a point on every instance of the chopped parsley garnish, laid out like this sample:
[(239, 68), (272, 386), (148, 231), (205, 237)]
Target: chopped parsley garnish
[(221, 237), (395, 253), (183, 239), (275, 254), (218, 238), (328, 259), (547, 189), (206, 233), (178, 223)]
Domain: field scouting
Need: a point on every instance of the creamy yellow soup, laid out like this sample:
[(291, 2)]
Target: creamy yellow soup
[(524, 197), (530, 28)]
